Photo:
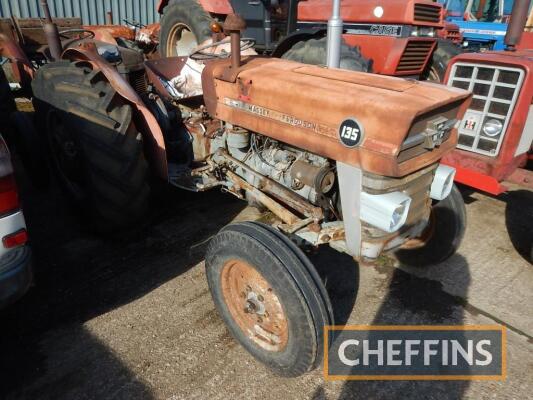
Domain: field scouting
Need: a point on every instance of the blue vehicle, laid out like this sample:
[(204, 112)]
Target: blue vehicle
[(483, 23)]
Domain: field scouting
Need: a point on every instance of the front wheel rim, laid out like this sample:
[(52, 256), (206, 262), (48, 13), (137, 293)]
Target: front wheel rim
[(254, 306)]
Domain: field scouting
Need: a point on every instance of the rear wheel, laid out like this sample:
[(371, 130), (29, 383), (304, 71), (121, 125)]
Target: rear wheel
[(445, 51), (442, 237), (30, 148), (314, 51), (184, 25), (95, 148), (270, 297)]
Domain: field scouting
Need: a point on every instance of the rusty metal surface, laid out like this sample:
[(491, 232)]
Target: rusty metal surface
[(283, 96), (152, 134), (21, 66), (254, 306), (281, 212), (234, 22)]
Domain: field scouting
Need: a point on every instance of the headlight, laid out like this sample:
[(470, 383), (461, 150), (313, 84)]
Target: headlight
[(492, 127), (423, 31), (387, 211), (442, 182)]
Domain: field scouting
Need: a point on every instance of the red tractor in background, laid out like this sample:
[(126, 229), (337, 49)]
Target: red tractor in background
[(394, 37), (496, 135)]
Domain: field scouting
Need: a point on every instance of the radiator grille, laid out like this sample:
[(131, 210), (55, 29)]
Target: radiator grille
[(427, 13), (454, 35), (138, 81), (416, 185), (415, 55), (495, 90)]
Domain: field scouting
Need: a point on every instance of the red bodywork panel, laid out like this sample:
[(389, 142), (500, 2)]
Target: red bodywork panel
[(212, 6), (451, 32), (485, 172), (526, 42), (363, 11), (385, 51)]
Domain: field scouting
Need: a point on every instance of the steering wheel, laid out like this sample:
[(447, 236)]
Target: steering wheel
[(200, 52), (68, 33), (135, 24)]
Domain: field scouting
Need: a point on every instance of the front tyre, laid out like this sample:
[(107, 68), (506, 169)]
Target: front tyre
[(442, 237), (269, 296), (314, 51), (444, 52)]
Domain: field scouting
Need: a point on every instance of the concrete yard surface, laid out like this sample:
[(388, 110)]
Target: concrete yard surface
[(131, 317)]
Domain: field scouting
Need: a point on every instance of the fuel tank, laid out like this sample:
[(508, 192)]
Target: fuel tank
[(384, 125)]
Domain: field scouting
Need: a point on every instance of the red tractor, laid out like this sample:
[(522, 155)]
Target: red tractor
[(394, 37), (496, 135), (340, 158)]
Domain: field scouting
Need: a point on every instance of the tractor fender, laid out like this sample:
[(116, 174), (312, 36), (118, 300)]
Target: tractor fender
[(151, 131), (295, 37), (211, 6), (21, 66)]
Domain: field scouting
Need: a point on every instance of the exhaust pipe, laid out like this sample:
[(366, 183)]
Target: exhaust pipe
[(335, 26), (233, 25), (51, 33), (517, 24)]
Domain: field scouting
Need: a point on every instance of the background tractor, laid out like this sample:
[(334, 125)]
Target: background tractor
[(483, 23), (496, 135), (396, 37), (363, 175)]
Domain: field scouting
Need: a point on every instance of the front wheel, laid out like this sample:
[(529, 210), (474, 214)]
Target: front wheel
[(270, 297), (442, 237), (445, 51), (314, 51)]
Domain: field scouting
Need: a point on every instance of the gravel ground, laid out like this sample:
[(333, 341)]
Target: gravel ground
[(130, 317)]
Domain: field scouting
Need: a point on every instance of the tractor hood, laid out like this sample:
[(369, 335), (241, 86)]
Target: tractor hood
[(370, 121), (410, 12)]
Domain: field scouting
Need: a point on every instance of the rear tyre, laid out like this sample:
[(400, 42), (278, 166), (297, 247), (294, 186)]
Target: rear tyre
[(443, 236), (95, 148), (445, 51), (269, 296), (31, 149), (184, 25), (314, 51)]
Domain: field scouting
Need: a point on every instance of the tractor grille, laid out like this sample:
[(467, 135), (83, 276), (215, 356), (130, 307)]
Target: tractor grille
[(427, 13), (416, 185), (138, 81), (415, 56), (495, 92), (454, 36)]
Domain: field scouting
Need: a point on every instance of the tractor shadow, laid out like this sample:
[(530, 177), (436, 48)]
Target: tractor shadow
[(340, 275), (47, 352), (518, 214), (518, 217), (413, 300)]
